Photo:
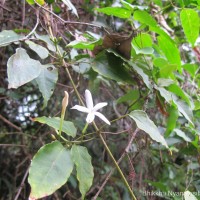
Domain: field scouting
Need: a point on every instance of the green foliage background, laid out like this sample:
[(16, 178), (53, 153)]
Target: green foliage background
[(157, 91)]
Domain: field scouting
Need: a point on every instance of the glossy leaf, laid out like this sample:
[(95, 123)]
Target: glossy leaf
[(9, 36), (47, 80), (115, 11), (40, 50), (144, 123), (84, 168), (190, 23), (54, 122), (70, 6), (50, 169), (22, 69)]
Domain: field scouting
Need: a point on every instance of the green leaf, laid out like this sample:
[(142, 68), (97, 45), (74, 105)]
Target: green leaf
[(145, 50), (183, 107), (54, 122), (83, 45), (115, 11), (190, 23), (22, 69), (84, 168), (170, 50), (144, 17), (142, 40), (189, 196), (46, 81), (70, 6), (48, 41), (131, 96), (49, 170), (163, 82), (144, 123), (40, 50), (182, 135), (142, 74), (31, 2), (9, 36), (191, 69), (176, 89), (171, 120), (111, 66)]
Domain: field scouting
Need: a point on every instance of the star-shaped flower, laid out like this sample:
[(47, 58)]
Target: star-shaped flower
[(91, 109)]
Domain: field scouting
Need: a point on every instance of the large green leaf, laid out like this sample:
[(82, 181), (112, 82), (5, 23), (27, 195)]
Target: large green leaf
[(190, 23), (68, 127), (111, 66), (9, 36), (50, 169), (142, 40), (47, 80), (144, 123), (115, 11), (22, 69), (84, 168), (40, 50), (170, 50), (131, 96), (70, 6)]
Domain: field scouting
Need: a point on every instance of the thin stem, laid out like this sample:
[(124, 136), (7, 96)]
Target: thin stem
[(84, 130)]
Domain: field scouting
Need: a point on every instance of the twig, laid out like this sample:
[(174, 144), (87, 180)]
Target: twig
[(119, 160), (5, 8), (35, 27), (22, 184), (72, 22), (10, 123)]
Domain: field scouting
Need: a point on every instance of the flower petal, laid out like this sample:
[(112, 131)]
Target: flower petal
[(81, 108), (90, 117), (88, 99), (99, 105), (101, 116)]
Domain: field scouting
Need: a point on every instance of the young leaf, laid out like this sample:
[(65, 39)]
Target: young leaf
[(115, 11), (84, 168), (40, 50), (190, 23), (144, 123), (70, 6), (22, 69), (54, 122), (49, 170), (47, 80), (31, 2), (9, 36)]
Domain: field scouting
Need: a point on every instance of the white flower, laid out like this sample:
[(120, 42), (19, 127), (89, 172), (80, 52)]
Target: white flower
[(91, 109)]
